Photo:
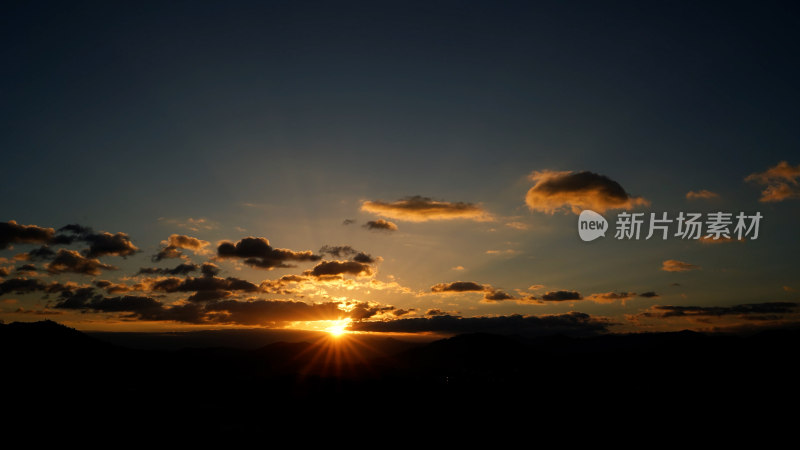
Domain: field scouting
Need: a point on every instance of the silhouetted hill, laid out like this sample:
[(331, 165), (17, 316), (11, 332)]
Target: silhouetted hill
[(50, 364)]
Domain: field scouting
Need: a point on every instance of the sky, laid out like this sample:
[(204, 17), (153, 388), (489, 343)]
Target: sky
[(396, 166)]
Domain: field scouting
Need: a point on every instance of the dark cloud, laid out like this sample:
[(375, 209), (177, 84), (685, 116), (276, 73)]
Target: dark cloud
[(257, 252), (345, 251), (381, 225), (21, 286), (4, 271), (180, 269), (497, 295), (38, 312), (329, 268), (576, 191), (362, 311), (112, 288), (100, 244), (43, 253), (348, 222), (209, 296), (610, 297), (435, 312), (85, 298), (72, 261), (29, 268), (739, 310), (209, 269), (561, 296), (421, 209), (205, 283), (458, 286), (13, 233), (403, 312), (648, 294), (265, 312), (167, 252), (570, 323)]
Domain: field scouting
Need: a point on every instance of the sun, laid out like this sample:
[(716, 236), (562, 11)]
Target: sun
[(338, 328)]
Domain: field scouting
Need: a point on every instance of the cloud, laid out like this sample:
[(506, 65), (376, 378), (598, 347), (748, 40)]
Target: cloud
[(171, 247), (569, 191), (205, 283), (497, 296), (561, 296), (42, 253), (348, 222), (331, 268), (458, 268), (27, 268), (180, 269), (423, 209), (570, 323), (21, 286), (458, 286), (435, 312), (781, 182), (112, 288), (209, 269), (74, 262), (264, 312), (649, 294), (100, 244), (703, 194), (664, 311), (257, 252), (721, 240), (345, 251), (381, 225), (38, 312), (672, 265), (13, 233), (610, 297)]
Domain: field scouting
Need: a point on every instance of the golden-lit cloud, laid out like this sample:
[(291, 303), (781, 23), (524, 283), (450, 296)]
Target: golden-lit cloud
[(672, 265), (74, 262), (12, 233), (721, 240), (703, 194), (423, 209), (576, 191), (780, 181), (171, 247)]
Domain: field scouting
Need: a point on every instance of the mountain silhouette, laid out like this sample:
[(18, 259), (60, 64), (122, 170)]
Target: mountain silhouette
[(53, 365)]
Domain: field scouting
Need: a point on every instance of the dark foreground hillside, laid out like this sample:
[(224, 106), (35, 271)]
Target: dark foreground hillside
[(49, 371)]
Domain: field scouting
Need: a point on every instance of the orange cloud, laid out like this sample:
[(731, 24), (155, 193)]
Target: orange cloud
[(781, 182), (568, 191), (423, 209), (701, 194), (672, 265)]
